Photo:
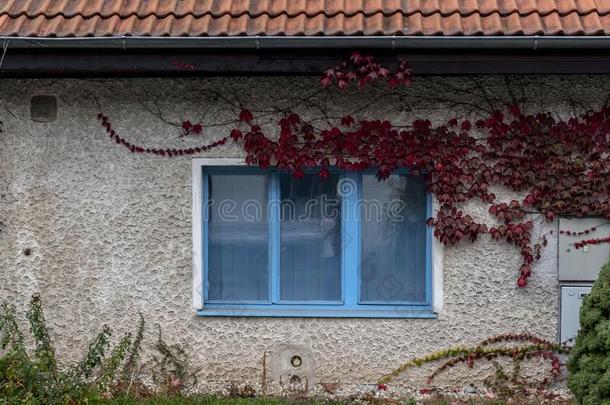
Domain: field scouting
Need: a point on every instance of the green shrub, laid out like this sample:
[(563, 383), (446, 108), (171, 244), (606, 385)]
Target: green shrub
[(35, 378), (589, 364)]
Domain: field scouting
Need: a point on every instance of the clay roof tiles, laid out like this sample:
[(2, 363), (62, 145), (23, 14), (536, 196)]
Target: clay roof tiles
[(105, 18)]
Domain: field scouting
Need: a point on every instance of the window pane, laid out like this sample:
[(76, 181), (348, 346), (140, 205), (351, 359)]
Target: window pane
[(238, 234), (393, 251), (310, 265)]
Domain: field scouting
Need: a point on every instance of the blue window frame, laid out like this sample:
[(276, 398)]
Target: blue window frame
[(345, 246)]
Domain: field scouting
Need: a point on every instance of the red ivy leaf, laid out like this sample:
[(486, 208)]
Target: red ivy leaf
[(347, 121), (515, 111), (245, 116), (236, 134)]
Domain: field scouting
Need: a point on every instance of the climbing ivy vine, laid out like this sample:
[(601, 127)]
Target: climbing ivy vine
[(558, 167)]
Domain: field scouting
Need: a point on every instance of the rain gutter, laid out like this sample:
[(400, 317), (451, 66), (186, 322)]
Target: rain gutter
[(532, 43)]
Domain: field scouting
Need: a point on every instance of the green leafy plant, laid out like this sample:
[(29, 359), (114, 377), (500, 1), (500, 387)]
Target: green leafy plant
[(171, 371), (513, 385), (589, 364), (131, 365), (35, 377), (110, 365), (104, 372), (45, 353)]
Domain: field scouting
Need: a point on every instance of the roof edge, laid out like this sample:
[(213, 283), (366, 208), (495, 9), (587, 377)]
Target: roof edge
[(533, 43)]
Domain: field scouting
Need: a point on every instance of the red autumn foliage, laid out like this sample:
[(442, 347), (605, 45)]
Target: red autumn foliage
[(595, 241), (562, 166), (182, 65), (363, 70), (189, 128), (245, 116)]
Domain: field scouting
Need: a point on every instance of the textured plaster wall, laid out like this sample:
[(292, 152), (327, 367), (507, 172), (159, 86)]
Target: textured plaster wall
[(110, 231)]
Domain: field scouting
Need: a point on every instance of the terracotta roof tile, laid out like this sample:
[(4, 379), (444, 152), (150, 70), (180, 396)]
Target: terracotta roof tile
[(69, 18)]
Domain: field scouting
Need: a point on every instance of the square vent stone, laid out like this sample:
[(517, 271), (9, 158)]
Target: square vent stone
[(43, 108), (292, 367)]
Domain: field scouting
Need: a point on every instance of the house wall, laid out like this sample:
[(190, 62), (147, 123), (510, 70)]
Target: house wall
[(110, 231)]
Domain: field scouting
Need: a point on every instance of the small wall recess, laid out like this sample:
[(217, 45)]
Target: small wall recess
[(296, 361), (43, 108)]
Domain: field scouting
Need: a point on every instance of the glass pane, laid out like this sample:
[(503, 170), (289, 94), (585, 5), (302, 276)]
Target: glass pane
[(238, 235), (393, 251), (310, 265)]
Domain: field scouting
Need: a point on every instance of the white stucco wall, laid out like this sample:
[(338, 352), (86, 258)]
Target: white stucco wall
[(110, 231)]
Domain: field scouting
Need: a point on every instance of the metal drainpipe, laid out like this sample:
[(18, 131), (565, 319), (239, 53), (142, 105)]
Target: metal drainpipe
[(531, 43)]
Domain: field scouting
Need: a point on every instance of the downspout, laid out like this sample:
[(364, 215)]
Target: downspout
[(535, 43), (5, 45)]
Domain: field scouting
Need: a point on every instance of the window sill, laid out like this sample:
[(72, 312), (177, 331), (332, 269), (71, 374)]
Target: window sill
[(387, 311)]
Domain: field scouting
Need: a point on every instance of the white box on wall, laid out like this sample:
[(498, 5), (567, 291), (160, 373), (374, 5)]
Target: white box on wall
[(582, 264), (571, 300)]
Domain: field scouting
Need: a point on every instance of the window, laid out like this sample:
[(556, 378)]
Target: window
[(345, 246)]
